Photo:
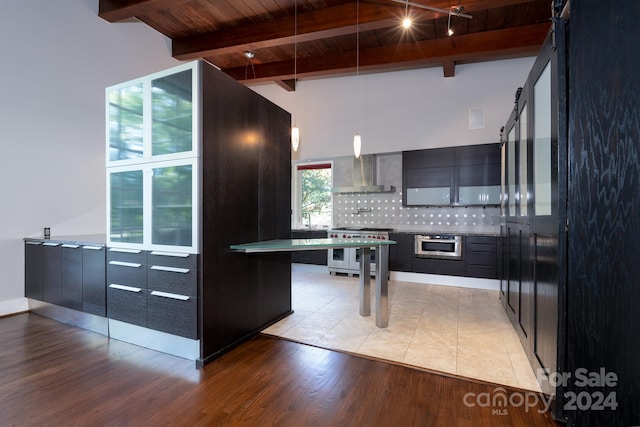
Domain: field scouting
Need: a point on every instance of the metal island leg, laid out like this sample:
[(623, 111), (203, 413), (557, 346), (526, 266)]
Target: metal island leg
[(365, 282), (382, 287)]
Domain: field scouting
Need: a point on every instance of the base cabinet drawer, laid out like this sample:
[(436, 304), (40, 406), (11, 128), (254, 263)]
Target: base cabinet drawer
[(439, 266), (127, 304), (175, 280), (173, 313)]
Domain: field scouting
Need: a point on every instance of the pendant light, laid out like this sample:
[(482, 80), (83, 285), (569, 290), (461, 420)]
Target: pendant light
[(357, 139), (295, 132)]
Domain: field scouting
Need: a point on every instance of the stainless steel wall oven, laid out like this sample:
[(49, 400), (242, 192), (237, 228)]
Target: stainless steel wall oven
[(442, 246)]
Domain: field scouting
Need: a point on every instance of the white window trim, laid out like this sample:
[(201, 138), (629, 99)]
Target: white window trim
[(296, 191)]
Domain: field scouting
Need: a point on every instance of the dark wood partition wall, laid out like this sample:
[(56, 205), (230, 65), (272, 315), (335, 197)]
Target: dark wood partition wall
[(246, 181), (604, 204), (570, 277)]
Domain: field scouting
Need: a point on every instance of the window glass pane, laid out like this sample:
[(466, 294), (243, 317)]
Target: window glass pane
[(171, 114), (126, 214), (172, 202), (315, 197), (125, 123), (542, 143), (523, 196), (511, 168)]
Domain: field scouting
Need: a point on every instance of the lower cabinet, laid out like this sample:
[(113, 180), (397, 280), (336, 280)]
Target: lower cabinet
[(309, 257), (52, 273), (449, 267), (127, 304), (70, 275), (33, 277), (94, 294), (173, 313), (172, 283), (401, 254), (127, 286), (156, 290), (479, 257)]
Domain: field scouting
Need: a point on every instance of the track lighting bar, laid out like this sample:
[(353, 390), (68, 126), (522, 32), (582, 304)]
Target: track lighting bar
[(455, 11)]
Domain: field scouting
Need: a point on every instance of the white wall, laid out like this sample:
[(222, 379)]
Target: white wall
[(400, 110), (57, 59)]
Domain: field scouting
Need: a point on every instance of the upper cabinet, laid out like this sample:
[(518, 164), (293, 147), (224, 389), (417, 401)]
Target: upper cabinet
[(154, 117), (453, 176), (153, 142)]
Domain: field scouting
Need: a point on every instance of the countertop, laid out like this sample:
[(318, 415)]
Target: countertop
[(418, 231), (283, 245), (80, 239)]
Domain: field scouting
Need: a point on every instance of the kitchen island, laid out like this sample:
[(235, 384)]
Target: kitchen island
[(382, 266)]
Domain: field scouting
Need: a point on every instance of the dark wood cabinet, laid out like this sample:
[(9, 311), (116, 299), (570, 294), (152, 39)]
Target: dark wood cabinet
[(127, 286), (401, 254), (33, 274), (94, 291), (52, 272), (453, 176), (481, 256), (309, 257), (72, 273), (449, 267), (241, 181), (71, 286)]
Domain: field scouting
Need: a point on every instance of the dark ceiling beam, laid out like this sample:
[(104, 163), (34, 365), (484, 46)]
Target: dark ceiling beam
[(288, 85), (120, 10), (448, 69), (510, 42), (319, 24)]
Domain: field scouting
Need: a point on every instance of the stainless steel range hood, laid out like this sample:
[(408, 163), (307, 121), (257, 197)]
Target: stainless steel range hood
[(364, 177)]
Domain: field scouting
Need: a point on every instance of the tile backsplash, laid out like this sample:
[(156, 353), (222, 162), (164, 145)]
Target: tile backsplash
[(385, 210)]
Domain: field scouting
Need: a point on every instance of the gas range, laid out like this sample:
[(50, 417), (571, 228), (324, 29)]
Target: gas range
[(347, 260), (363, 232)]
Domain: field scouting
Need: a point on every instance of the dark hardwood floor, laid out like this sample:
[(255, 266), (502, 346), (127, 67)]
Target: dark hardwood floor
[(55, 374)]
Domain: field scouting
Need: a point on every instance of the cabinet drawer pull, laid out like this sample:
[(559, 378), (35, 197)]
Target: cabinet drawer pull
[(33, 243), (171, 269), (69, 245), (126, 264), (93, 248), (173, 254), (125, 288), (125, 251), (168, 295), (50, 244)]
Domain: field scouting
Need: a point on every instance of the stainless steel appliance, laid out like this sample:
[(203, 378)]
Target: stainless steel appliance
[(347, 260), (443, 246)]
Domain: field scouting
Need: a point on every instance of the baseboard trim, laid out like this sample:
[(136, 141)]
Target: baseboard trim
[(13, 306), (442, 280)]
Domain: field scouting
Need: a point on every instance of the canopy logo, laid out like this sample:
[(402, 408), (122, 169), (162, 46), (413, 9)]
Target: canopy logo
[(499, 400)]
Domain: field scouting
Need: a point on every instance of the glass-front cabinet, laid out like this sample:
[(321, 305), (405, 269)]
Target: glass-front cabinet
[(154, 117), (152, 161), (153, 206)]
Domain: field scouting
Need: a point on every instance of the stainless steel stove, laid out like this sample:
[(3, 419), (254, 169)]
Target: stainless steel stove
[(347, 260)]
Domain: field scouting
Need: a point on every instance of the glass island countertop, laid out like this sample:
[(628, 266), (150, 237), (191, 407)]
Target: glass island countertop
[(283, 245), (381, 259)]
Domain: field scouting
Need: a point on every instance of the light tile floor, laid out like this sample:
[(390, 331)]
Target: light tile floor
[(460, 331)]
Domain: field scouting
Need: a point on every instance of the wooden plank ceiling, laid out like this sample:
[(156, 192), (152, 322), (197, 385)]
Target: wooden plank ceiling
[(332, 37)]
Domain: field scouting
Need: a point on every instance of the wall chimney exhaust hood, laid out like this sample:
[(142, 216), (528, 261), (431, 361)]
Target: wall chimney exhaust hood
[(364, 177)]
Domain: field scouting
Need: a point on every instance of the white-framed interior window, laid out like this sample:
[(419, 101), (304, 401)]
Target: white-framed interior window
[(311, 193)]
